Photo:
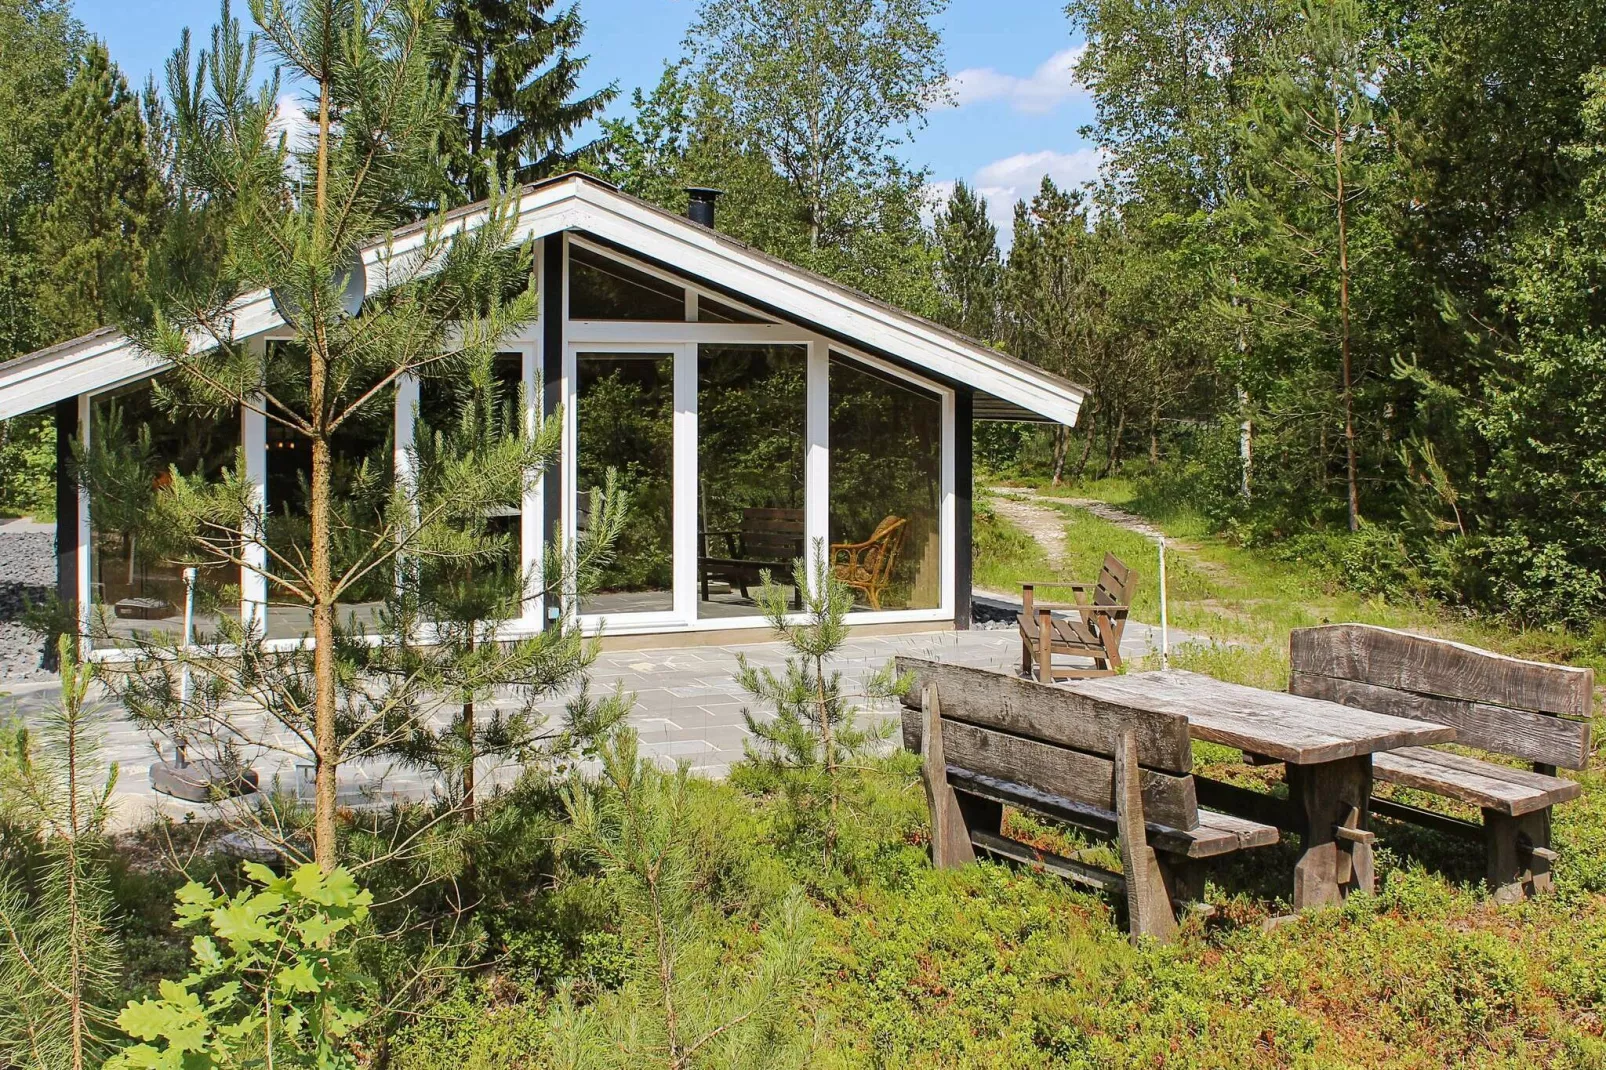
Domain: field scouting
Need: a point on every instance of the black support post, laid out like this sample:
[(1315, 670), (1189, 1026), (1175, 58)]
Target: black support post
[(964, 475), (552, 306), (66, 511)]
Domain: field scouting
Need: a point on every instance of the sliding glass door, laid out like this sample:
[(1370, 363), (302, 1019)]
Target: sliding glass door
[(624, 404)]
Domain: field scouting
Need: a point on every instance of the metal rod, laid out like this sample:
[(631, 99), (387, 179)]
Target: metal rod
[(1165, 629), (180, 745)]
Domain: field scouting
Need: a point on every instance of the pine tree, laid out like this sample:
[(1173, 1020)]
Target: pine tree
[(464, 584), (641, 826), (289, 222), (95, 232), (971, 268), (815, 744), (517, 75), (57, 957)]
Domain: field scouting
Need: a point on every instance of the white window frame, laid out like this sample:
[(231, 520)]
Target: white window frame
[(681, 339)]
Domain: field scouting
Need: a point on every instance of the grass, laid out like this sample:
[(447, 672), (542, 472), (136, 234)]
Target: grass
[(1222, 592)]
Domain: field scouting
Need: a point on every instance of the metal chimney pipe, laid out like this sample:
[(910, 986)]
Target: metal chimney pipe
[(700, 204)]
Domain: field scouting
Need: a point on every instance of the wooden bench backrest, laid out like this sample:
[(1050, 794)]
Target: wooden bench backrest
[(772, 534), (1115, 583), (1053, 740), (1525, 709)]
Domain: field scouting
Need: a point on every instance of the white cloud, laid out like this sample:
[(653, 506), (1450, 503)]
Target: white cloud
[(290, 119), (1038, 93), (1018, 177)]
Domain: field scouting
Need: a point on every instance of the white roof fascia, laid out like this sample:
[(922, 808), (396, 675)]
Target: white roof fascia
[(698, 252), (105, 361)]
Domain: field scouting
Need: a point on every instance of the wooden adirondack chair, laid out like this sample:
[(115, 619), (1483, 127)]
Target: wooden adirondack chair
[(867, 566), (1094, 632)]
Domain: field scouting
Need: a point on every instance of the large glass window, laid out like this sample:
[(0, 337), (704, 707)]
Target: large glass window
[(363, 467), (454, 413), (886, 488), (601, 288), (136, 568), (624, 420), (712, 311), (751, 425)]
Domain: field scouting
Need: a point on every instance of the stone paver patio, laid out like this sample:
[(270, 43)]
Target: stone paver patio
[(687, 708)]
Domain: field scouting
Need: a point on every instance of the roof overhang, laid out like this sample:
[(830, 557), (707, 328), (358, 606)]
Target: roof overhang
[(1005, 386)]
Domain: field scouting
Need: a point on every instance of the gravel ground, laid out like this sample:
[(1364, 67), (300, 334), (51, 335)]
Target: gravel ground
[(27, 572)]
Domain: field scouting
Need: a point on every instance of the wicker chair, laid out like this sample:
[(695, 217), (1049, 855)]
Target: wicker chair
[(867, 566)]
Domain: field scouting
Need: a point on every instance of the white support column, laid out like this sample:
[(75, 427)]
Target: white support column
[(253, 584), (532, 511), (404, 464), (950, 502), (817, 456), (405, 422), (685, 483)]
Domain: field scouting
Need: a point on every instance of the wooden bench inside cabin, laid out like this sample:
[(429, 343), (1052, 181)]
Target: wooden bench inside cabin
[(989, 741), (1528, 710), (768, 540)]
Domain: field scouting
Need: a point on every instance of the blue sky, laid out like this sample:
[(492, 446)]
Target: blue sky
[(1017, 116)]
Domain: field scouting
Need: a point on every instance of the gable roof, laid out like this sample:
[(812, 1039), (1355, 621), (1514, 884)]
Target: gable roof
[(1006, 387)]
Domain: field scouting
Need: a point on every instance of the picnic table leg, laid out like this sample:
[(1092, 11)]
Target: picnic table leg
[(1519, 854), (1333, 799)]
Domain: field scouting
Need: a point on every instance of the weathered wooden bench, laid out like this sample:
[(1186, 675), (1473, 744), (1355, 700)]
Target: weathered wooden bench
[(989, 740), (1528, 710)]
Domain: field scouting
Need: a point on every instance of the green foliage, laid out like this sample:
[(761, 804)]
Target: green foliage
[(971, 272), (516, 75), (95, 233), (28, 457), (272, 977), (41, 41), (813, 747), (736, 114), (695, 1003), (58, 956), (1458, 287)]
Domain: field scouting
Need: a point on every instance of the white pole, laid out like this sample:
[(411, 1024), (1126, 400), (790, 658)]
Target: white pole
[(1165, 632), (184, 664)]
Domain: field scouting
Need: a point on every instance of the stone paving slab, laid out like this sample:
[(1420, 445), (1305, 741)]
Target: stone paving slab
[(688, 707)]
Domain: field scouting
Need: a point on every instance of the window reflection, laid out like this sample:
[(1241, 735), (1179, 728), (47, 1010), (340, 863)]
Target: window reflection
[(625, 421), (362, 463), (751, 425), (136, 569), (886, 488), (453, 414), (601, 288)]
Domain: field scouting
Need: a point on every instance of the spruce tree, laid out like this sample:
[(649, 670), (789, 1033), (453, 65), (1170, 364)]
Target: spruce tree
[(94, 234), (971, 269), (39, 42), (516, 76)]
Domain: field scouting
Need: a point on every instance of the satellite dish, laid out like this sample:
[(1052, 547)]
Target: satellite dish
[(351, 281)]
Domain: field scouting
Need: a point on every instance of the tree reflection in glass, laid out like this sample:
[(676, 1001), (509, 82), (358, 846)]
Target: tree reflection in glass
[(625, 421)]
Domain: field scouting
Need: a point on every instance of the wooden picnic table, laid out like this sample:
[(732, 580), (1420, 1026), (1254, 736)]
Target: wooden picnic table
[(1327, 753)]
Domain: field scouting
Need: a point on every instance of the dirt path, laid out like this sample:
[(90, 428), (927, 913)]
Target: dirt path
[(1025, 509)]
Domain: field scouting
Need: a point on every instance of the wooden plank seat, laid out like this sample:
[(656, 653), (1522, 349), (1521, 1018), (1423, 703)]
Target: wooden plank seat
[(990, 740), (768, 540), (1532, 711), (1093, 630)]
